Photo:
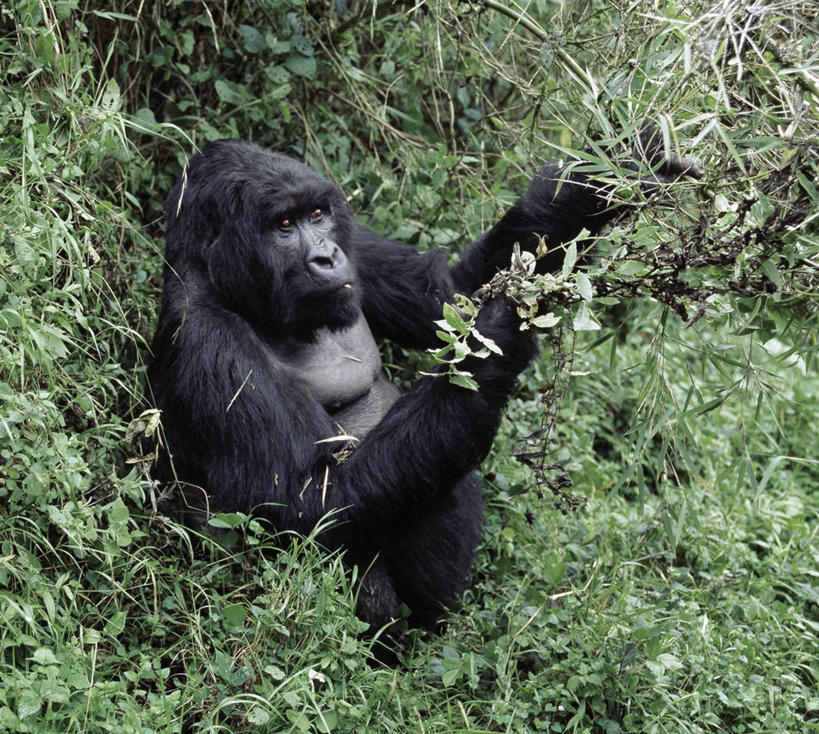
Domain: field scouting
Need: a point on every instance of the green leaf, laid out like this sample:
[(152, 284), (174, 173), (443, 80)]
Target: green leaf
[(299, 720), (118, 513), (302, 45), (226, 520), (111, 96), (275, 673), (253, 40), (258, 716), (487, 342), (292, 698), (44, 656), (277, 47), (29, 703), (547, 321), (54, 692), (461, 349), (227, 93), (116, 624), (44, 48), (146, 115), (280, 92), (772, 273), (187, 41), (584, 320), (50, 343), (669, 662), (301, 65), (461, 379), (326, 721), (630, 268), (450, 676), (453, 318), (761, 209), (234, 614), (584, 286), (569, 259), (111, 15)]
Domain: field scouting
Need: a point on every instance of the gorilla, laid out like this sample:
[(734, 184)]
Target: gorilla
[(265, 359)]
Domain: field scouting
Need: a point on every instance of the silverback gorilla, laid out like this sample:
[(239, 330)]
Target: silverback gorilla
[(266, 347)]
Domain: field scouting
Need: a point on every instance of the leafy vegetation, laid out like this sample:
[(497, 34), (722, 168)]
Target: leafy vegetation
[(680, 597)]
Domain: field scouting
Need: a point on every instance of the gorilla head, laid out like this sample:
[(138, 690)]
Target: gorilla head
[(270, 237)]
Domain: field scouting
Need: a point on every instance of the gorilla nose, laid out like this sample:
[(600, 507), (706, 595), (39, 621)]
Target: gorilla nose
[(325, 259), (327, 262)]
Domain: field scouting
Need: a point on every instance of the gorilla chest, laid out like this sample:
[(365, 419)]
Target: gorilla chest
[(342, 371)]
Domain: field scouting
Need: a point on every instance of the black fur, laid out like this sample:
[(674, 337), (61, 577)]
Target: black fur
[(240, 424)]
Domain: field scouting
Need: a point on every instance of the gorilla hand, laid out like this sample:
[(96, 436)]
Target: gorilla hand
[(649, 151)]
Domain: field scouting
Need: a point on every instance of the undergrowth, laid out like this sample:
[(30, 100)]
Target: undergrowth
[(680, 597)]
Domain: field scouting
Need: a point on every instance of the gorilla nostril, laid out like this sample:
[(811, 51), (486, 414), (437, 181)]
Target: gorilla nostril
[(323, 261), (327, 259)]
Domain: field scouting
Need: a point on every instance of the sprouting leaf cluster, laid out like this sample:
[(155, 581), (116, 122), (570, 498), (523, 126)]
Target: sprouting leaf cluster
[(462, 340)]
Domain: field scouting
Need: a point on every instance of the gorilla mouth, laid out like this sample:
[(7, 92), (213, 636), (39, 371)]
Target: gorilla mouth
[(339, 293), (323, 287), (339, 288)]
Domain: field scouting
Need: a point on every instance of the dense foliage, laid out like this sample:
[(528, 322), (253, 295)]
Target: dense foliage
[(677, 390)]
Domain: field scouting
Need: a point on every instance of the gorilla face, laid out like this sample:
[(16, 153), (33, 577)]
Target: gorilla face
[(319, 279), (271, 235)]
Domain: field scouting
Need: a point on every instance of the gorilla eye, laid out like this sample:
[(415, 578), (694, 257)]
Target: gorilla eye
[(285, 223), (317, 214)]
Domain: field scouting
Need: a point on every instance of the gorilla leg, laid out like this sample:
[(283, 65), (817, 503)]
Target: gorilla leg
[(430, 560), (377, 598)]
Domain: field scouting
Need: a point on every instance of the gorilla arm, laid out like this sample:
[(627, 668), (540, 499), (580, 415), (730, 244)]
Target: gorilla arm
[(404, 291), (556, 207), (242, 425), (557, 211)]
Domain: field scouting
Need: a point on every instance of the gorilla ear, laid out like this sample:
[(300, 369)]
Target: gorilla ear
[(209, 223), (193, 219)]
